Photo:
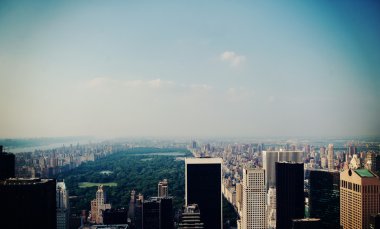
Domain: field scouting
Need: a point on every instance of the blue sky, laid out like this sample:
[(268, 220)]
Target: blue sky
[(189, 68)]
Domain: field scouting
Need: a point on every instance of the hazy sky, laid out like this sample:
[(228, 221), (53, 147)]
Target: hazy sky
[(189, 68)]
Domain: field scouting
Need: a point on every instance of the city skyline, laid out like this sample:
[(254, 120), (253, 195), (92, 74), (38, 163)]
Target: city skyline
[(119, 69)]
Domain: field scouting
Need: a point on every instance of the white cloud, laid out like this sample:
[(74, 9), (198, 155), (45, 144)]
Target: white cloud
[(233, 58)]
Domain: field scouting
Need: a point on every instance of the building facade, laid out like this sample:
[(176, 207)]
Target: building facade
[(308, 223), (359, 198), (254, 196), (28, 203), (98, 205), (191, 218), (271, 157), (163, 188), (289, 193), (63, 209), (239, 197), (203, 186), (324, 197), (158, 213), (271, 208), (330, 157), (7, 164)]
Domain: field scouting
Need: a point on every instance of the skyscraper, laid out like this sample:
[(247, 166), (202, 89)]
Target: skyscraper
[(239, 197), (193, 144), (359, 198), (98, 205), (271, 157), (191, 218), (271, 208), (203, 186), (151, 214), (372, 162), (289, 193), (158, 213), (351, 150), (254, 193), (7, 164), (324, 197), (330, 157), (63, 208), (163, 188), (28, 203), (309, 223)]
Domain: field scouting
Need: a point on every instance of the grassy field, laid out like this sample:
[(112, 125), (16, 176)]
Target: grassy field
[(89, 184)]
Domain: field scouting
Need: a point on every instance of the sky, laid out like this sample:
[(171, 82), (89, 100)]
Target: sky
[(189, 68)]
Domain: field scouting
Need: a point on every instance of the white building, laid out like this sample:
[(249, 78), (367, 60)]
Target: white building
[(254, 199), (62, 199)]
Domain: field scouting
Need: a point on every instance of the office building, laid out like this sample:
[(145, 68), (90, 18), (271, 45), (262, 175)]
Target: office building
[(271, 157), (352, 150), (239, 197), (289, 193), (203, 186), (63, 209), (359, 198), (191, 218), (355, 162), (308, 223), (7, 164), (98, 205), (132, 208), (374, 221), (163, 188), (324, 197), (28, 203), (254, 196), (330, 157), (322, 151), (151, 214), (138, 211), (271, 208), (115, 216), (372, 162), (158, 213), (193, 144)]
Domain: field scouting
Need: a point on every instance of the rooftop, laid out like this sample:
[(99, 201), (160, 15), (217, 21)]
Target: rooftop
[(364, 173)]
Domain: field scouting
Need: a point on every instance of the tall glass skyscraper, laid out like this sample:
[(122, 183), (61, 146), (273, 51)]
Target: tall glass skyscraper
[(324, 197), (7, 164), (203, 186), (289, 193)]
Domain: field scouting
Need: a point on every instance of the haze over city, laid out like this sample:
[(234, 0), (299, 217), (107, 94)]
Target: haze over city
[(189, 68)]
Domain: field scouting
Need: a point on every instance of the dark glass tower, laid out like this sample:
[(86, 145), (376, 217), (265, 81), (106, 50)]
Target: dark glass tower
[(158, 213), (203, 187), (151, 214), (166, 213), (309, 223), (324, 197), (289, 193), (7, 165), (28, 203)]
